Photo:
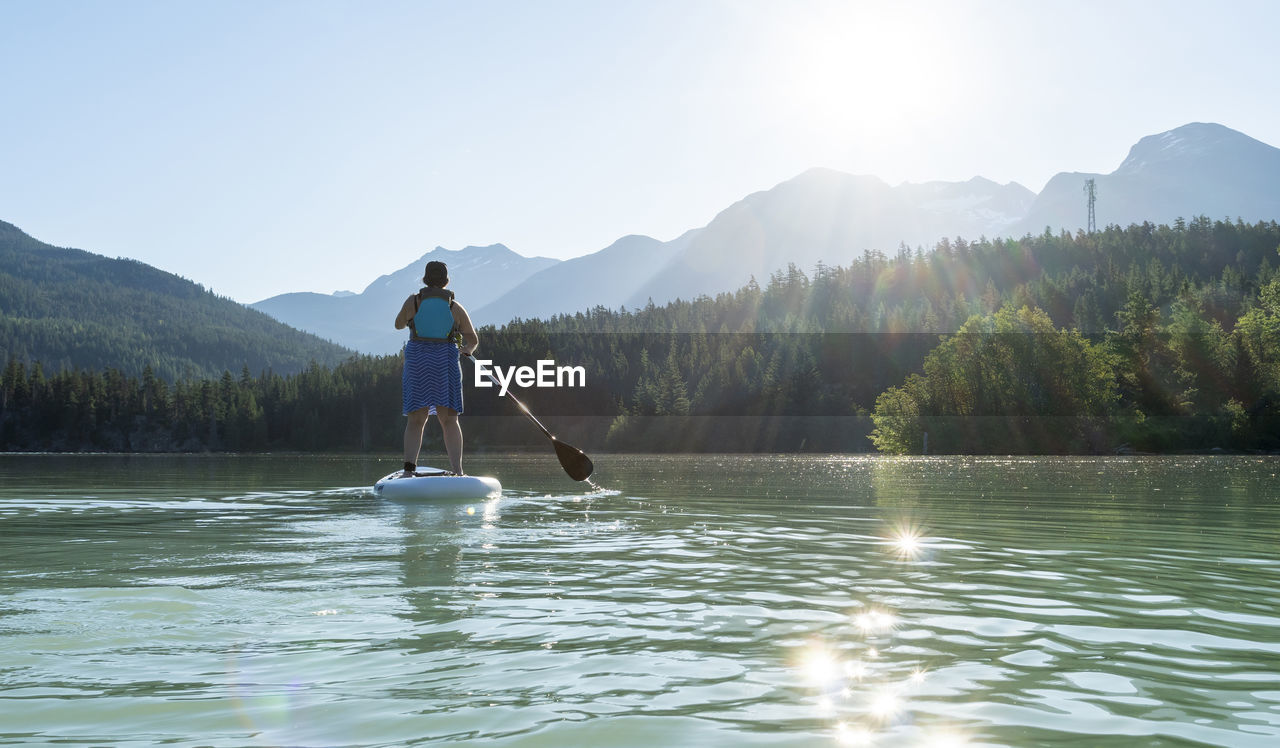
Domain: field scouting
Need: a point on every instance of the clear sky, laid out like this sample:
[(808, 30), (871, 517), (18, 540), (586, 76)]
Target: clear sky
[(263, 147)]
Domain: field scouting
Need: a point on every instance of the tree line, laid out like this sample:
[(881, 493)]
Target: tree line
[(1142, 337), (71, 309)]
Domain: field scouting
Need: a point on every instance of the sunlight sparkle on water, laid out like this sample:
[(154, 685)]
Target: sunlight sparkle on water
[(945, 738), (886, 704), (907, 541), (874, 621), (820, 666), (854, 735)]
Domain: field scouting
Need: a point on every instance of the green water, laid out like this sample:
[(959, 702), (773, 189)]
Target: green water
[(683, 601)]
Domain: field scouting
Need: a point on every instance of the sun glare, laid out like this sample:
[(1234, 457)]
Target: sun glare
[(864, 70)]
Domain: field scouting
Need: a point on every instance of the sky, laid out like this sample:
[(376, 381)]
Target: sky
[(271, 146)]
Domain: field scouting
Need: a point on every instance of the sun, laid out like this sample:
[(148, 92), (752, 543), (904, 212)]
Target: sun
[(866, 71)]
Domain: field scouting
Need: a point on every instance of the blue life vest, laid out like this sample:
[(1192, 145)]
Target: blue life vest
[(433, 319)]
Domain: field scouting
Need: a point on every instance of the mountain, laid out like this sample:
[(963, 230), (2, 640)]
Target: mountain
[(978, 207), (364, 321), (832, 217), (602, 278), (68, 308), (1197, 169), (820, 215)]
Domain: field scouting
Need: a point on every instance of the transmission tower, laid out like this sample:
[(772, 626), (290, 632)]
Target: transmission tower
[(1092, 192)]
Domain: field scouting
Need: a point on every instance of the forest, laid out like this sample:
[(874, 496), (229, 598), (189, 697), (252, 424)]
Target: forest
[(1143, 338), (71, 309)]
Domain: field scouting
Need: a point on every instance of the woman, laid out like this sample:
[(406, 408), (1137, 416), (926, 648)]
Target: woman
[(432, 379)]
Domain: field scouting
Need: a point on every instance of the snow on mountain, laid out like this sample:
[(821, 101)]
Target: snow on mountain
[(821, 215), (1197, 169), (363, 322), (831, 217)]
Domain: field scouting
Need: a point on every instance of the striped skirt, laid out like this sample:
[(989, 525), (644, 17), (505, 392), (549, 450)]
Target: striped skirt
[(432, 376)]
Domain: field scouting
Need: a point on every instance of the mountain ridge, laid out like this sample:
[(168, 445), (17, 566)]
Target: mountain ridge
[(820, 215), (833, 217), (580, 283), (70, 308), (363, 321), (1196, 169)]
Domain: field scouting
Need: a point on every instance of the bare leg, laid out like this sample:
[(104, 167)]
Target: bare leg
[(413, 434), (452, 436)]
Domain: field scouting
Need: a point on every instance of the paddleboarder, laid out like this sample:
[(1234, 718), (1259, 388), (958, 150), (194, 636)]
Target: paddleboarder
[(440, 331)]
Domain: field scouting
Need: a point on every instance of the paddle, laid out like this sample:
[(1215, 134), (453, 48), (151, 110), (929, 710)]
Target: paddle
[(574, 461)]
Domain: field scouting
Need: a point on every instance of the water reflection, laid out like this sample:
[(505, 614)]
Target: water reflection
[(874, 621), (711, 600), (1088, 569)]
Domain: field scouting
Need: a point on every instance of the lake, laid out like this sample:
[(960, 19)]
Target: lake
[(681, 601)]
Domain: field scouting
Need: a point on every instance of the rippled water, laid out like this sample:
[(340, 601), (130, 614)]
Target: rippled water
[(683, 601)]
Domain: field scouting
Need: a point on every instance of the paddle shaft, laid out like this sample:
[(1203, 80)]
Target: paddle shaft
[(574, 461), (523, 408)]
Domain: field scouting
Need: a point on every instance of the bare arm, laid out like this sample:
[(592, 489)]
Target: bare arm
[(469, 338), (406, 313)]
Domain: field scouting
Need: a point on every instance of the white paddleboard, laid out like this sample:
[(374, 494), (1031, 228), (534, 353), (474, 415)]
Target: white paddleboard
[(428, 485)]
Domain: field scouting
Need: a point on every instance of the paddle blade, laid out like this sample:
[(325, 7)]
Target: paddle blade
[(574, 461)]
